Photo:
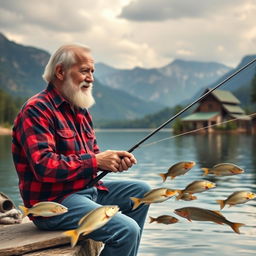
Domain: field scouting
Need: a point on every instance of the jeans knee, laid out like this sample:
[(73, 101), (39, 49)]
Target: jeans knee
[(143, 187), (133, 230), (129, 229)]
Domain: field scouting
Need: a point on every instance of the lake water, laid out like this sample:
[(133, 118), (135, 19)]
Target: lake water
[(183, 238)]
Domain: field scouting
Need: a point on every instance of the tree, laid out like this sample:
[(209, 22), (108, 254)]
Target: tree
[(9, 107), (253, 86)]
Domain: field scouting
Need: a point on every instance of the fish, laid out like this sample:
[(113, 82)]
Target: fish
[(44, 209), (156, 195), (200, 214), (196, 187), (93, 220), (165, 219), (238, 197), (188, 197), (223, 169), (177, 169)]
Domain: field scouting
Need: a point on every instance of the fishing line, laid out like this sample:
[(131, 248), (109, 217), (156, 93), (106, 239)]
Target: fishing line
[(105, 172), (192, 131)]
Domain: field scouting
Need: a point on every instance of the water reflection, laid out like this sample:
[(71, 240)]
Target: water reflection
[(8, 176), (215, 148), (253, 158), (183, 238), (5, 147)]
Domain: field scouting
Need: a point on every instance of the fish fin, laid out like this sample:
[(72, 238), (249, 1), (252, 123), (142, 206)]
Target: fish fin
[(24, 210), (218, 222), (87, 232), (163, 175), (221, 203), (218, 212), (73, 236), (206, 171), (180, 194), (136, 202), (151, 219), (236, 226)]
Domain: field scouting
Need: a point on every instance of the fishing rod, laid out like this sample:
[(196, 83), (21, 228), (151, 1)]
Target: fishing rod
[(105, 172)]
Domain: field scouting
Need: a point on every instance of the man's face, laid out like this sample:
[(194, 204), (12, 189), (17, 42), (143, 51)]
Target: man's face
[(77, 85)]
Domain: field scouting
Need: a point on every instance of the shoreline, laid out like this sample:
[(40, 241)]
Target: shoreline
[(5, 131)]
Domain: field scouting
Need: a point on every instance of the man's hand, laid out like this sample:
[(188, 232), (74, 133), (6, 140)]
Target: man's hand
[(115, 161)]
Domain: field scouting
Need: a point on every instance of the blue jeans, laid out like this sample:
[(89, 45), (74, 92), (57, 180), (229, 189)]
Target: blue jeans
[(121, 235)]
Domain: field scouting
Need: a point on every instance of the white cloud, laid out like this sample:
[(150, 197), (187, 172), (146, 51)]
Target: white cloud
[(151, 10), (129, 33)]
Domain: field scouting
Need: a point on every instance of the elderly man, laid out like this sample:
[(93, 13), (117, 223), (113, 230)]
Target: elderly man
[(56, 155)]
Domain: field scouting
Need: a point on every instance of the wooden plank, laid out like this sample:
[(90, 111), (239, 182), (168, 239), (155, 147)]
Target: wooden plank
[(86, 247), (21, 238), (62, 250)]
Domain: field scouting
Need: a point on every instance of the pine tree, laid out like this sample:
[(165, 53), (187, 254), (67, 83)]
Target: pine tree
[(253, 92)]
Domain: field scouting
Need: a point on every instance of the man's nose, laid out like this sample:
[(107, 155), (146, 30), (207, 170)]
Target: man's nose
[(89, 77)]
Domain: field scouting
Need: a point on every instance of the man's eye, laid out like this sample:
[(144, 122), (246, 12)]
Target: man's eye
[(86, 71)]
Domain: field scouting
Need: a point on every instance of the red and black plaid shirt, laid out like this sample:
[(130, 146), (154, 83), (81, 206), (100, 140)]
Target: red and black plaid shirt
[(53, 148)]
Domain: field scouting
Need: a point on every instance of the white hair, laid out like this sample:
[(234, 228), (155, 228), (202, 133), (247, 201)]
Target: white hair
[(65, 56)]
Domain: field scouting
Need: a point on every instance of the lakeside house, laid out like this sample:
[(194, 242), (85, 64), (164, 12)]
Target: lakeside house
[(218, 107), (254, 124)]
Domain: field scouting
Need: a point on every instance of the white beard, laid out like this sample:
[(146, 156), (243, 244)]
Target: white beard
[(76, 96)]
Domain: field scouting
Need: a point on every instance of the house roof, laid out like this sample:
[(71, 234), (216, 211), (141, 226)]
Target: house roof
[(225, 96), (200, 116), (241, 117), (233, 109)]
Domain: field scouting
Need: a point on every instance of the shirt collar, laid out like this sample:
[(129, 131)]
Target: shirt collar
[(56, 97)]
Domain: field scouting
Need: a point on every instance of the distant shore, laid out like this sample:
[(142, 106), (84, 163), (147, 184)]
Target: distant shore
[(5, 131)]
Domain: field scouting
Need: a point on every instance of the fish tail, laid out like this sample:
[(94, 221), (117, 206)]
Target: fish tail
[(24, 210), (151, 219), (73, 236), (180, 194), (206, 171), (163, 175), (136, 202), (236, 226), (221, 203)]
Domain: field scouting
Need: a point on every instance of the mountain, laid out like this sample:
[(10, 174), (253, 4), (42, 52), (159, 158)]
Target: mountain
[(240, 84), (21, 69), (112, 104), (169, 85), (242, 79)]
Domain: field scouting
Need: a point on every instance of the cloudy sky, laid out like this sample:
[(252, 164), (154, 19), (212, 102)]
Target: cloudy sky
[(129, 33)]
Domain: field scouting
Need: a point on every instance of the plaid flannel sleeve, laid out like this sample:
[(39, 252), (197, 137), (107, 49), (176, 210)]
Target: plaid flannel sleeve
[(36, 133)]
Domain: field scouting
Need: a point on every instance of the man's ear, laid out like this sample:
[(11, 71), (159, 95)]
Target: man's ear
[(59, 72)]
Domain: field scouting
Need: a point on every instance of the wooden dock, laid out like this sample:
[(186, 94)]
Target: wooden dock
[(26, 239)]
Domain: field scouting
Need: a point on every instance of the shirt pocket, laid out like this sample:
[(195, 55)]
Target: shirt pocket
[(89, 139), (66, 142), (66, 133)]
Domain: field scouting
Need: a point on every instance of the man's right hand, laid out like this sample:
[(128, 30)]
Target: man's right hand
[(115, 161)]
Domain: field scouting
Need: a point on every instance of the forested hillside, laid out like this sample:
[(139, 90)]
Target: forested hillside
[(9, 107)]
